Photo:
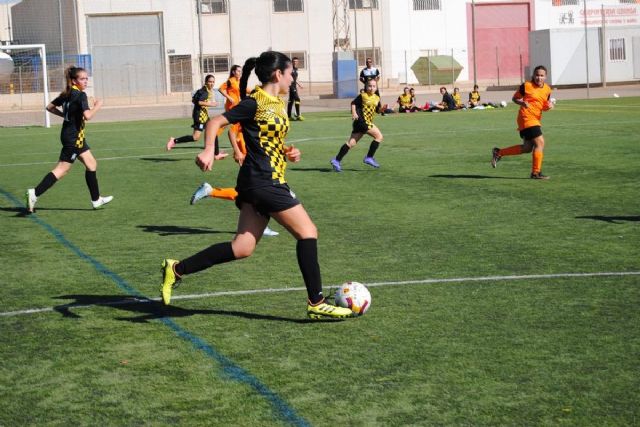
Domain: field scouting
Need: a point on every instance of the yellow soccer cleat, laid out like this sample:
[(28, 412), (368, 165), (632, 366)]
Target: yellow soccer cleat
[(322, 310), (169, 280)]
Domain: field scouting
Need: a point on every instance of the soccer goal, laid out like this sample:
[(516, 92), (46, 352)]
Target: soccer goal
[(24, 86)]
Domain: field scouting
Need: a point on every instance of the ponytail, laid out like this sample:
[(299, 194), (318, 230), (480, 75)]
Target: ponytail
[(265, 65), (248, 67)]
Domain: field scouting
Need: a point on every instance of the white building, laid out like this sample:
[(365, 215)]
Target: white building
[(154, 47)]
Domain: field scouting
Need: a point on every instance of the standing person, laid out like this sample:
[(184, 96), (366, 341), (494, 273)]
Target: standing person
[(363, 108), (202, 100), (533, 97), (294, 98), (369, 73), (75, 112), (262, 189)]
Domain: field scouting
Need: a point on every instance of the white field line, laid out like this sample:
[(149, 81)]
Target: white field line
[(128, 300), (296, 141)]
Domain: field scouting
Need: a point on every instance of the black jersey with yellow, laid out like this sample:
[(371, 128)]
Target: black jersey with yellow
[(201, 112), (264, 126), (366, 107), (73, 107)]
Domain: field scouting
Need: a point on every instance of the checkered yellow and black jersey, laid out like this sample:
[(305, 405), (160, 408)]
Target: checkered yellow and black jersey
[(201, 112), (73, 107), (366, 107), (264, 126)]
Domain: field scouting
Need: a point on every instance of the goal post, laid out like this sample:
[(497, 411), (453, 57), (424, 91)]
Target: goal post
[(42, 52)]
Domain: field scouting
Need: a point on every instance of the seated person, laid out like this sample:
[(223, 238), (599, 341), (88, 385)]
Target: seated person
[(405, 102), (412, 92), (474, 97), (447, 103), (457, 98)]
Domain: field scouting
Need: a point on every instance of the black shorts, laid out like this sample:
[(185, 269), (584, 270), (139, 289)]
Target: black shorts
[(266, 200), (198, 125), (70, 152), (360, 126), (531, 133)]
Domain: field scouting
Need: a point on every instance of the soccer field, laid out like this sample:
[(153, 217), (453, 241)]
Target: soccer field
[(497, 299)]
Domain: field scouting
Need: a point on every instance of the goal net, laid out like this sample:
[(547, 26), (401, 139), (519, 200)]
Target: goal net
[(24, 85)]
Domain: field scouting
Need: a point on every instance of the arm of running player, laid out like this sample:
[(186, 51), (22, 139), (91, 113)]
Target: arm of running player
[(53, 109), (354, 113), (223, 92), (204, 159), (293, 153), (88, 114), (238, 155)]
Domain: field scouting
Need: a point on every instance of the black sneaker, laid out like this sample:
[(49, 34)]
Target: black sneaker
[(538, 175)]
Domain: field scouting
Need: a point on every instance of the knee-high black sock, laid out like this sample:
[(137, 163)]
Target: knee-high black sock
[(92, 183), (186, 138), (343, 152), (215, 254), (372, 148), (46, 183), (289, 106), (307, 251)]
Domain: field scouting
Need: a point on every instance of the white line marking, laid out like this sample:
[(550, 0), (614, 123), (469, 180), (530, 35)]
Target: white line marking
[(128, 300)]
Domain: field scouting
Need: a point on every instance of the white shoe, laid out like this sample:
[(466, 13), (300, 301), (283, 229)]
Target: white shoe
[(203, 191), (101, 201), (31, 199), (269, 232)]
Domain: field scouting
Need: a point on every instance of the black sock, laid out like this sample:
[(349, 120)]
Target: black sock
[(92, 183), (187, 138), (307, 251), (372, 148), (215, 254), (343, 152), (289, 106), (216, 147), (46, 183)]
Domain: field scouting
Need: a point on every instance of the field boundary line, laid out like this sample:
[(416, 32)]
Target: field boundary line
[(131, 299)]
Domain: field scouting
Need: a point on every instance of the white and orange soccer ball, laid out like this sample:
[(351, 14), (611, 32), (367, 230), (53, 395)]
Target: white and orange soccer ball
[(355, 296)]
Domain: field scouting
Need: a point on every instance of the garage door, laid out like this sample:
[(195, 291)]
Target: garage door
[(127, 55)]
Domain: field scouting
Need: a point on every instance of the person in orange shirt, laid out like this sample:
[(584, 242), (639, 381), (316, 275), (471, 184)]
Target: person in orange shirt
[(533, 97)]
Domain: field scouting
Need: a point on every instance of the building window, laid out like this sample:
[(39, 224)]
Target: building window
[(180, 73), (288, 6), (617, 51), (565, 2), (426, 5), (215, 64), (629, 1), (213, 6), (364, 53), (302, 63), (363, 4)]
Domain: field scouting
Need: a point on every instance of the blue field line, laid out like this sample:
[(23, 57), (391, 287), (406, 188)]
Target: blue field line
[(233, 371)]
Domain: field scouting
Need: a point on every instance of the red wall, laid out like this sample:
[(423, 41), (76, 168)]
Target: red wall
[(501, 28)]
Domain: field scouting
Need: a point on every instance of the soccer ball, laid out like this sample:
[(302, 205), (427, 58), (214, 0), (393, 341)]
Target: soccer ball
[(503, 104), (553, 100), (355, 296)]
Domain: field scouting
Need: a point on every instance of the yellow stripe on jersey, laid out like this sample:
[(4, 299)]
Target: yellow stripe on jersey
[(271, 117)]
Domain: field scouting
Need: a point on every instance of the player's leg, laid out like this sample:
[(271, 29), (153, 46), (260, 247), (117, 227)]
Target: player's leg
[(375, 133), (537, 155), (344, 149), (91, 178), (299, 224)]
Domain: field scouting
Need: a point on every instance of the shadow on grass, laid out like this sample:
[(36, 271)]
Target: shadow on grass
[(474, 177), (174, 230), (611, 219), (325, 170), (22, 212), (148, 309)]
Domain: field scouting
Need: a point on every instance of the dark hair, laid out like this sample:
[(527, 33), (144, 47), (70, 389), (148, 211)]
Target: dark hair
[(233, 69), (475, 87), (539, 67), (445, 89), (71, 74), (295, 58), (265, 65), (209, 76)]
